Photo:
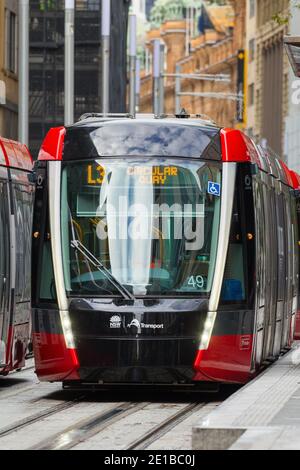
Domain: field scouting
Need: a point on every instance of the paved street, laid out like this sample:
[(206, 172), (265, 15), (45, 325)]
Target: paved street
[(37, 415)]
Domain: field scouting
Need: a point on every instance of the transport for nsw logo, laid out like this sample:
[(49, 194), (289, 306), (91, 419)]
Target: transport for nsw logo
[(115, 322), (137, 326)]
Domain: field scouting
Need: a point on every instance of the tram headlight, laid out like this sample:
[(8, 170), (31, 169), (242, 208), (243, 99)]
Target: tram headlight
[(67, 330), (207, 331)]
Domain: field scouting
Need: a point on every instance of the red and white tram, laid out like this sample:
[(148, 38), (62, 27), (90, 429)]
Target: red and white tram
[(16, 205), (165, 252)]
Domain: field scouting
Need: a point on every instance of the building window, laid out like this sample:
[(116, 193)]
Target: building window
[(11, 41), (252, 8), (251, 94), (251, 50)]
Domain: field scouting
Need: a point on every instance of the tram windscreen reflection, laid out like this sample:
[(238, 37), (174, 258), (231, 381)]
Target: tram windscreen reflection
[(153, 223)]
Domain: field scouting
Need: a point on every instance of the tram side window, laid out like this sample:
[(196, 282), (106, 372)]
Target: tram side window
[(47, 290), (281, 247), (289, 251), (295, 235), (23, 208), (260, 218), (4, 244), (233, 289)]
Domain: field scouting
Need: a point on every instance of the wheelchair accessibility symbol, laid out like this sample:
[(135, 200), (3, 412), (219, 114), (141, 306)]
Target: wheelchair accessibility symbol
[(214, 189)]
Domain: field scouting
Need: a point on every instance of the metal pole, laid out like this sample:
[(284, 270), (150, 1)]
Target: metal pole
[(177, 90), (69, 61), (106, 21), (187, 32), (147, 65), (202, 77), (132, 54), (24, 71), (156, 76), (193, 22), (161, 80), (138, 84)]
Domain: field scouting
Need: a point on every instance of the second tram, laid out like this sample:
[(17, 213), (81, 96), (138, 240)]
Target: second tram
[(16, 206), (165, 252)]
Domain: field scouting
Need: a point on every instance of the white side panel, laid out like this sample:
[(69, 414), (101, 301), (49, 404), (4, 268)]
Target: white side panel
[(54, 178), (228, 189), (55, 227)]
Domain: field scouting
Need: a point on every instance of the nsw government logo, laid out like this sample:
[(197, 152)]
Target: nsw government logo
[(115, 322)]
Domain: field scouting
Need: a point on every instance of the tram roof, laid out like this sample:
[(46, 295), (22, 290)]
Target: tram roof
[(186, 119), (235, 145), (15, 155)]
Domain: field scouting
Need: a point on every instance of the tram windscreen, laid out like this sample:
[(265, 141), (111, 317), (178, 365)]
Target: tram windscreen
[(152, 223)]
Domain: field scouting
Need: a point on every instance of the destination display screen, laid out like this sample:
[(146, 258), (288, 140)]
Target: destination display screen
[(145, 175)]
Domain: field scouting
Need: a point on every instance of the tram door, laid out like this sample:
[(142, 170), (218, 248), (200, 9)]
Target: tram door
[(260, 267), (4, 270), (270, 267), (288, 307)]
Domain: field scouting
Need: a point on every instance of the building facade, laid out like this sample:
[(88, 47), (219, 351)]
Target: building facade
[(267, 75), (200, 38), (8, 69), (47, 62), (251, 54)]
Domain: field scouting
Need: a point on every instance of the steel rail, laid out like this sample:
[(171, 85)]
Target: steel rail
[(161, 429), (88, 428), (38, 416)]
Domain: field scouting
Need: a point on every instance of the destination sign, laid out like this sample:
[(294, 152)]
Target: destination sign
[(154, 175)]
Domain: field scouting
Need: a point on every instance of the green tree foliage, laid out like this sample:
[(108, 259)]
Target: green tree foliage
[(283, 19)]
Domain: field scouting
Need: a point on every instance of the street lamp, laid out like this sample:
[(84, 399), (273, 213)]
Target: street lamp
[(292, 45)]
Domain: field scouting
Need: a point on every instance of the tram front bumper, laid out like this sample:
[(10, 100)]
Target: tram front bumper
[(137, 360)]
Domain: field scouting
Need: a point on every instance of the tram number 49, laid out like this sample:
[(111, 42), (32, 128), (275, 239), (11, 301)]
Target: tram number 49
[(197, 282)]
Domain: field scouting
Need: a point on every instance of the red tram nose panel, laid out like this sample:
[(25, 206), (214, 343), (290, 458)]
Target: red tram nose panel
[(16, 205), (54, 362), (227, 360), (174, 293)]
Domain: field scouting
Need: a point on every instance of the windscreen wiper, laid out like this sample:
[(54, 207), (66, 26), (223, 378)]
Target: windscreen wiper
[(77, 245)]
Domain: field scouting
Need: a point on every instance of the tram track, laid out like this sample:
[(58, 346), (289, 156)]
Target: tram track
[(163, 428), (88, 428), (23, 423)]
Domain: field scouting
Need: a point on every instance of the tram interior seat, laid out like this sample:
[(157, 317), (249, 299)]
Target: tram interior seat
[(233, 288)]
